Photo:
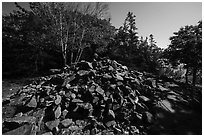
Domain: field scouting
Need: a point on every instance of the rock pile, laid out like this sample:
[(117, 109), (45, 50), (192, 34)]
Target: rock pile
[(102, 97)]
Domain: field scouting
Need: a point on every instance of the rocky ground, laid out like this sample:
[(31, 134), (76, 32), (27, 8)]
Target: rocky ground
[(102, 97)]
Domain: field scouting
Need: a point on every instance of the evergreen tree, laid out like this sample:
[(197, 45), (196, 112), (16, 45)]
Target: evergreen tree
[(186, 47), (127, 36)]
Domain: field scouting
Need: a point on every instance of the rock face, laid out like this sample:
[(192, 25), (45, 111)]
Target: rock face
[(102, 97)]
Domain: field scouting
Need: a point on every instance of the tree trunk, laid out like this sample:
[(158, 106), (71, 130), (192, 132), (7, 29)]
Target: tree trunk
[(72, 47), (65, 59), (194, 76), (186, 75), (63, 53), (81, 51), (64, 43), (77, 55)]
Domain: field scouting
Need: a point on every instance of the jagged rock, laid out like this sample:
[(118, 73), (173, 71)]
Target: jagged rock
[(163, 88), (23, 130), (143, 98), (103, 90), (47, 133), (66, 122), (147, 117), (58, 100), (72, 128), (64, 113), (58, 112), (21, 119), (52, 124), (33, 102), (166, 105)]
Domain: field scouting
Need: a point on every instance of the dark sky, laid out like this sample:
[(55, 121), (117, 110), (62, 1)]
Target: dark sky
[(158, 18)]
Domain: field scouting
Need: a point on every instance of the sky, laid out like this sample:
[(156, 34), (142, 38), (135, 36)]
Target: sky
[(158, 18)]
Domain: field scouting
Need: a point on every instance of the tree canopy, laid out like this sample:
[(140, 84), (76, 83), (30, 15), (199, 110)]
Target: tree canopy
[(58, 32), (131, 49), (186, 47)]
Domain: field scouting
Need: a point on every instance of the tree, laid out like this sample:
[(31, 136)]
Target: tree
[(54, 29), (129, 48), (77, 26), (186, 47), (127, 36), (97, 9), (20, 34), (150, 53), (152, 42)]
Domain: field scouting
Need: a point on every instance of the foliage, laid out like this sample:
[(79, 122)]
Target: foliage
[(75, 28), (51, 35), (150, 54), (186, 47), (26, 34), (132, 50), (126, 37)]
